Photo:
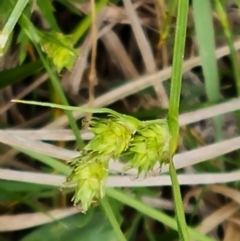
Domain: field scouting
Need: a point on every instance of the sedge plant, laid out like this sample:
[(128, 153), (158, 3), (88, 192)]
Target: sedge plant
[(139, 144)]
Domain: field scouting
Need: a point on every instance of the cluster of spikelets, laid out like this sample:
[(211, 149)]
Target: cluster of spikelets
[(140, 144)]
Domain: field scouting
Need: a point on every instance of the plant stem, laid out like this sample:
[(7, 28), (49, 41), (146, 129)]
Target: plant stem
[(178, 205), (177, 71), (179, 45), (112, 219)]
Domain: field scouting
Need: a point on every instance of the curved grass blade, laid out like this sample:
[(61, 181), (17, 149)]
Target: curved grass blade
[(71, 108)]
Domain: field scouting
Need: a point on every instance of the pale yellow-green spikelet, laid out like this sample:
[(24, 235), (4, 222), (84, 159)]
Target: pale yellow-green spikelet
[(149, 145), (112, 136), (89, 174)]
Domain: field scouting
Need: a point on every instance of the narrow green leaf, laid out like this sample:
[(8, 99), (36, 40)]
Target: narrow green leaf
[(153, 213), (206, 43), (179, 46), (112, 219), (15, 75), (49, 161), (33, 35), (10, 24), (70, 108), (229, 36)]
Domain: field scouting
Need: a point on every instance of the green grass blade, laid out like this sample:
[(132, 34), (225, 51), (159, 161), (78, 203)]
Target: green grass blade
[(206, 43), (56, 85), (69, 108), (229, 36), (173, 112), (10, 24), (153, 213), (179, 209), (112, 219), (32, 33), (179, 45), (14, 75), (49, 161)]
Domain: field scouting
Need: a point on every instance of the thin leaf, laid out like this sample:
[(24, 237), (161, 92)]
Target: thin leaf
[(206, 42), (173, 113), (10, 24), (153, 213), (54, 163), (112, 219), (14, 75), (32, 33), (70, 108)]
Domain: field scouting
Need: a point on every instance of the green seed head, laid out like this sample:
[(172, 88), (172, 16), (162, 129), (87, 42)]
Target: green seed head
[(89, 174), (149, 145), (112, 136), (132, 122)]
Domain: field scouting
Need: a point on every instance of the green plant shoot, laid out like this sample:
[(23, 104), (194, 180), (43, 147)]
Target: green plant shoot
[(139, 144)]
